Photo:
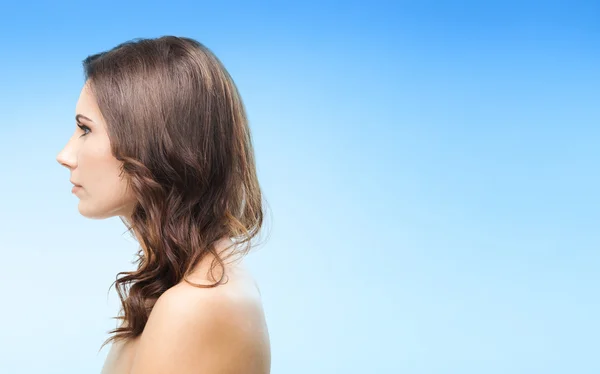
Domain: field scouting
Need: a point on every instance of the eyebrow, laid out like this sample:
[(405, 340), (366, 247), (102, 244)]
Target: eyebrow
[(77, 117)]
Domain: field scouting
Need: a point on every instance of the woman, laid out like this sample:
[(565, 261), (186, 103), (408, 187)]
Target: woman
[(162, 142)]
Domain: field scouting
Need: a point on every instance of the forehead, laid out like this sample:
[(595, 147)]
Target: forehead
[(86, 104), (86, 98)]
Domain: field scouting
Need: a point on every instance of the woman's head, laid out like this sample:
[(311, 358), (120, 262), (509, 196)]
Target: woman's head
[(169, 151)]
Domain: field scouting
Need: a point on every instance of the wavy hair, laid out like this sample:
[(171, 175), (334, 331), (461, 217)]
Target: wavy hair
[(178, 126)]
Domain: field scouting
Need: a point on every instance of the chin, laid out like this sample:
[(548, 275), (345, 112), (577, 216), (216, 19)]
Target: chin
[(95, 213), (92, 213)]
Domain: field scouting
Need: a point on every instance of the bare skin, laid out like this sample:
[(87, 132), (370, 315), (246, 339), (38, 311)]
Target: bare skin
[(216, 330), (190, 330)]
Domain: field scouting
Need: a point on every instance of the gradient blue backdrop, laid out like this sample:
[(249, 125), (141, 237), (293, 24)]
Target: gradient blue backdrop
[(431, 170)]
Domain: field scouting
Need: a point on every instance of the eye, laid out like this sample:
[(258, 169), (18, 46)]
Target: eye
[(86, 130)]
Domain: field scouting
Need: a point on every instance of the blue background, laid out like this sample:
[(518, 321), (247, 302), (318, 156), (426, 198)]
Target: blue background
[(431, 170)]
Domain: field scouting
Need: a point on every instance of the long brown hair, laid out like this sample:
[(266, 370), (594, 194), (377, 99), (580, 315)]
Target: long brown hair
[(177, 123)]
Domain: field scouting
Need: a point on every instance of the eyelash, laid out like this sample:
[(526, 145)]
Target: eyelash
[(84, 127)]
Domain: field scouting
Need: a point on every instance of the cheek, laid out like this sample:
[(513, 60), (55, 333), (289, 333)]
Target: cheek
[(100, 170)]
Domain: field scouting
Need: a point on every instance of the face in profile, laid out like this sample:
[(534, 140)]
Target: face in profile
[(102, 192)]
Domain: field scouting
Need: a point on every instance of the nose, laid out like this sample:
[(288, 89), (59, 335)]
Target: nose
[(66, 157)]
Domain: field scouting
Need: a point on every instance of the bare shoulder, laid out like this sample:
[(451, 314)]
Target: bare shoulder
[(220, 330), (238, 294)]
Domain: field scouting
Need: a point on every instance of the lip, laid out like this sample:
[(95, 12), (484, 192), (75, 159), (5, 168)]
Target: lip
[(76, 187)]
